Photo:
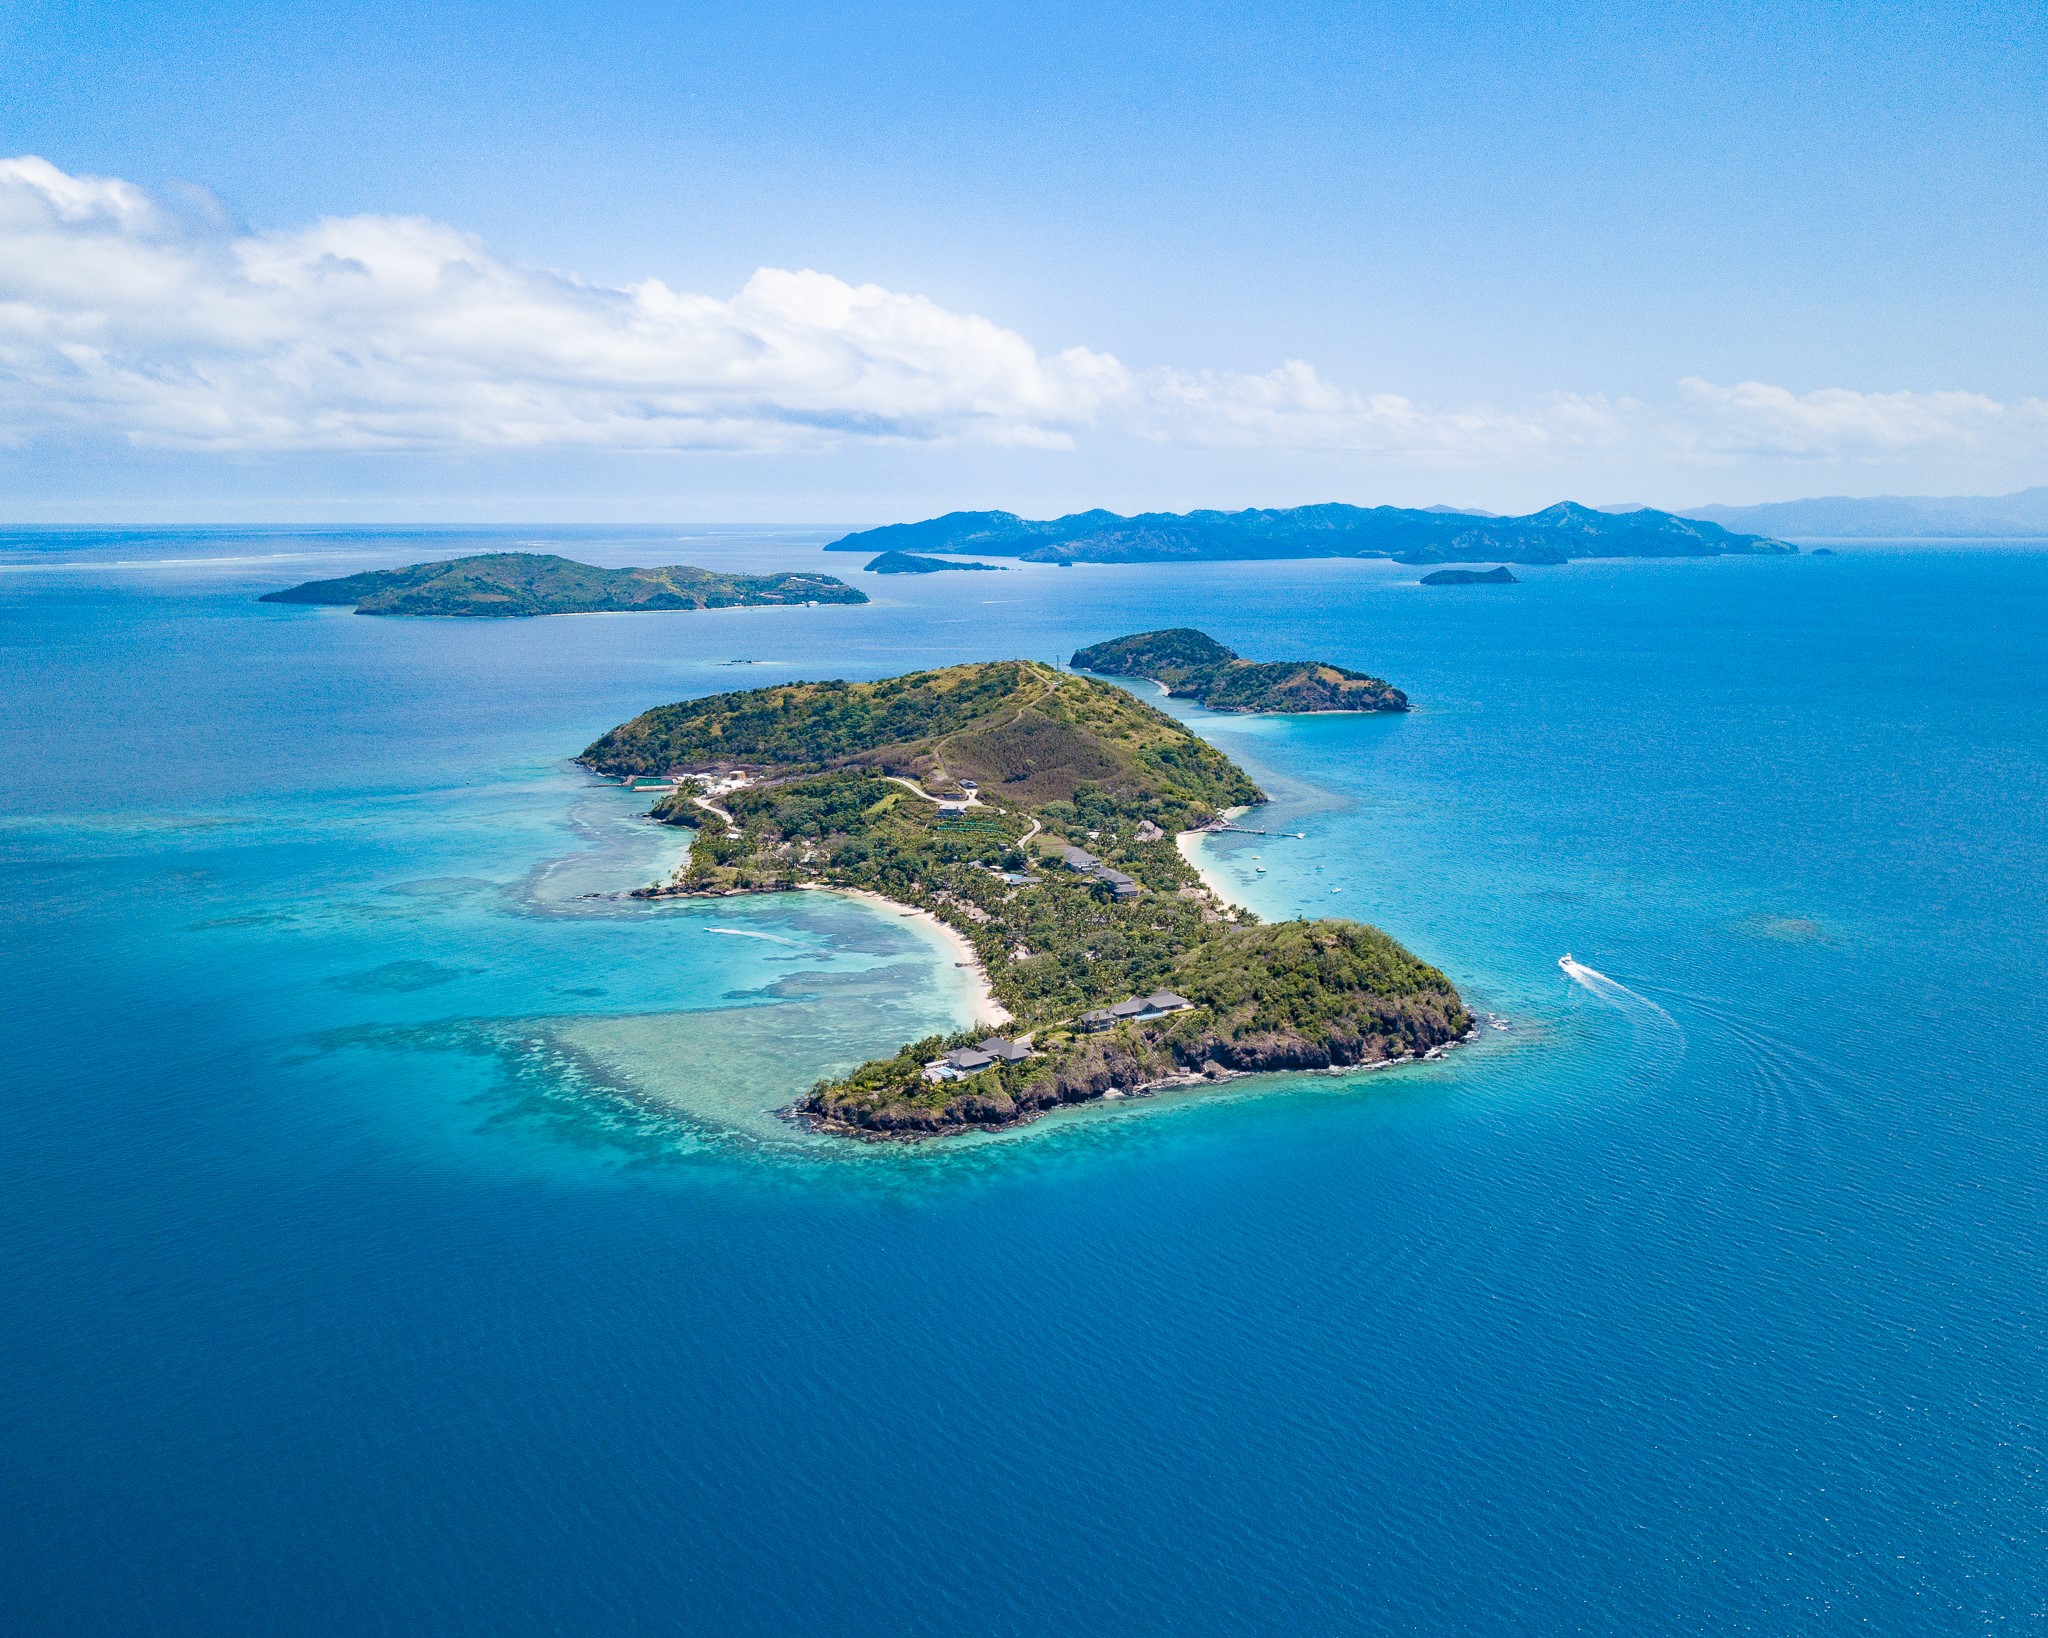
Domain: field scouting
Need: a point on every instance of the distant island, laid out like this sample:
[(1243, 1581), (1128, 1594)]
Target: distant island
[(1431, 535), (517, 585), (909, 563), (1471, 577), (1036, 816), (1194, 665)]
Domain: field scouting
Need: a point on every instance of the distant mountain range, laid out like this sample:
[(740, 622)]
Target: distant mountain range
[(1413, 535), (1838, 517)]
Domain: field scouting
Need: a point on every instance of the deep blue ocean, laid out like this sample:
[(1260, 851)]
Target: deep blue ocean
[(398, 1239)]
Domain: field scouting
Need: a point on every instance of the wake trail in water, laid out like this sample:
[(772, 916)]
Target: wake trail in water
[(1648, 1018), (771, 938), (1806, 1098)]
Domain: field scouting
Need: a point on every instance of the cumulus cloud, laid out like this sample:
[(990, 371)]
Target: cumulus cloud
[(398, 332), (1754, 417), (122, 314)]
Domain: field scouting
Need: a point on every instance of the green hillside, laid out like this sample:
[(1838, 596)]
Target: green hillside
[(506, 585), (1025, 732)]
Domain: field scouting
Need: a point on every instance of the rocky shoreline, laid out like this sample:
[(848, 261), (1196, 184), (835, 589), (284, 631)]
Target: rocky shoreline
[(1125, 1069), (1135, 1062)]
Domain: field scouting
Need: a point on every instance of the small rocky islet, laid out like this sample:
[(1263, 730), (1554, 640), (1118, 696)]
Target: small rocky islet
[(1502, 576), (911, 563), (1036, 813), (1193, 665)]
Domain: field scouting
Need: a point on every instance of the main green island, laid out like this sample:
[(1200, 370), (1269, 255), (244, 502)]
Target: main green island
[(1042, 817), (518, 585)]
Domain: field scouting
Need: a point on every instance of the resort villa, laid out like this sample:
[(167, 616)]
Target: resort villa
[(961, 1062), (1085, 863), (1139, 1009)]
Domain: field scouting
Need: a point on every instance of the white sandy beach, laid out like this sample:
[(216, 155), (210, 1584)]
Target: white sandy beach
[(987, 1010), (1189, 842)]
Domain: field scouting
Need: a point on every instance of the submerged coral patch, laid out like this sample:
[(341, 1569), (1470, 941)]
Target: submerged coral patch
[(401, 978)]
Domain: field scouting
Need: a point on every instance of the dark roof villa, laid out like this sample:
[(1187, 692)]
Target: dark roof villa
[(1079, 859), (972, 1060), (1137, 1010)]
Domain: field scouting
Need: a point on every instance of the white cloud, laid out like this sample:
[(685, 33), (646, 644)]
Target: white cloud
[(121, 315), (399, 332), (1838, 423)]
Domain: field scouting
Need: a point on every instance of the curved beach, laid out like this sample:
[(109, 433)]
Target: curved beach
[(1189, 844), (986, 1009)]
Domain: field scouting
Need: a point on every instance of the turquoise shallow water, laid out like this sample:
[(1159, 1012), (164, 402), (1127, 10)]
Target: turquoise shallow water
[(400, 1239)]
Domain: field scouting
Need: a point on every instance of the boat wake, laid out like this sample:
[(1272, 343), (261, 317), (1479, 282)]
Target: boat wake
[(1801, 1100), (770, 938), (1640, 1010)]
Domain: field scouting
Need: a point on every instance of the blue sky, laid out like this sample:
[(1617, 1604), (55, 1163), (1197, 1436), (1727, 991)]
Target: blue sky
[(1218, 255)]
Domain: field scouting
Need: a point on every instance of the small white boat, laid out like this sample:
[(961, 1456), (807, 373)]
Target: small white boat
[(1565, 961)]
